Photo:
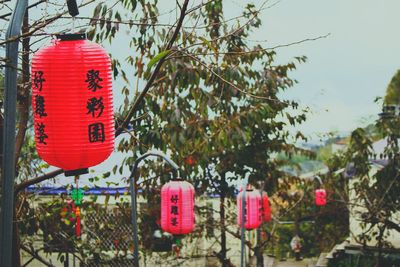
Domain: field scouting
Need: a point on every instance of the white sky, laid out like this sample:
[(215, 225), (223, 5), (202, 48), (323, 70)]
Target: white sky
[(346, 71)]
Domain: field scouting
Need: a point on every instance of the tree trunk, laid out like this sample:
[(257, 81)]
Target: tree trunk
[(258, 250), (223, 233), (16, 258), (222, 253)]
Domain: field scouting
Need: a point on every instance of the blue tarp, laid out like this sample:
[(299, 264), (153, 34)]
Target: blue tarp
[(90, 191), (49, 191)]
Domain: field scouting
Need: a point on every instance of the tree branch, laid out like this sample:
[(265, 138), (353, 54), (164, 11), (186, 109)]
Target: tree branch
[(36, 180), (392, 225), (40, 26), (155, 72), (4, 16)]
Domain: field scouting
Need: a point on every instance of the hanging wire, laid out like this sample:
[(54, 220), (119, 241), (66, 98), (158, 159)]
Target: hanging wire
[(73, 25), (77, 182)]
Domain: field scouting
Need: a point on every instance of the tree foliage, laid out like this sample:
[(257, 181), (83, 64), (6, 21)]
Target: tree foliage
[(392, 96)]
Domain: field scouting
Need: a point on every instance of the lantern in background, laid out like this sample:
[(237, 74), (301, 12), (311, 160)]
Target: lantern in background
[(72, 103), (320, 197), (266, 208), (177, 207), (253, 210)]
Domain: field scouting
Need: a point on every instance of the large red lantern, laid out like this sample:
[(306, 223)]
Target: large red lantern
[(72, 103), (253, 210), (177, 207), (320, 197), (266, 208)]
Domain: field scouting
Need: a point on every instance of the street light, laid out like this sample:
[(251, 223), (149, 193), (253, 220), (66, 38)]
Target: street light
[(132, 187)]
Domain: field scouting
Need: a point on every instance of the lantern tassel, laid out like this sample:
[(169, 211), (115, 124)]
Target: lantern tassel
[(78, 222)]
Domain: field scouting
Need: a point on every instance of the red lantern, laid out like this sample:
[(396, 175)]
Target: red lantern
[(320, 197), (72, 103), (253, 215), (177, 207), (266, 208)]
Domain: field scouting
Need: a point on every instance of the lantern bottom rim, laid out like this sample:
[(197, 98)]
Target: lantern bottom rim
[(76, 172)]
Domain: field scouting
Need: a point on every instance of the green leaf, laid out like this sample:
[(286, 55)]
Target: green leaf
[(134, 4), (157, 58), (206, 42)]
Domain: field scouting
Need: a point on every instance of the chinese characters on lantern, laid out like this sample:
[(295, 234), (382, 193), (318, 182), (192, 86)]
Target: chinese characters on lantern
[(93, 79), (95, 107), (174, 210), (40, 108), (38, 80)]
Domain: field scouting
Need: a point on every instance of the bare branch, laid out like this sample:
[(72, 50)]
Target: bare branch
[(230, 83), (4, 16), (260, 50), (41, 25)]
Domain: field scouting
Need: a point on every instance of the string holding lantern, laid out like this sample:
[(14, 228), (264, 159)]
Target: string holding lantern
[(267, 216), (72, 103), (253, 209), (320, 197), (177, 207)]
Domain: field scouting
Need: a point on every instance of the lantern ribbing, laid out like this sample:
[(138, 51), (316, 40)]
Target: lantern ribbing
[(73, 103), (177, 207), (253, 209)]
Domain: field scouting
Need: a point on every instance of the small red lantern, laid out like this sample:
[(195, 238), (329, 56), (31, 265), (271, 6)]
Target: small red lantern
[(72, 103), (266, 208), (253, 215), (177, 207), (320, 197)]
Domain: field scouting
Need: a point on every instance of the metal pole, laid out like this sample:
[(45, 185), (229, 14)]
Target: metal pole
[(132, 187), (259, 249), (242, 239), (66, 261), (8, 149)]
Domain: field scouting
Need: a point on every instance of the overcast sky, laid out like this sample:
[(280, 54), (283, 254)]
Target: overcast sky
[(346, 71)]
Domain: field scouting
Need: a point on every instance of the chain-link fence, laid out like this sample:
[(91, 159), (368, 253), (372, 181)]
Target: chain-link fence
[(111, 231), (116, 262)]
